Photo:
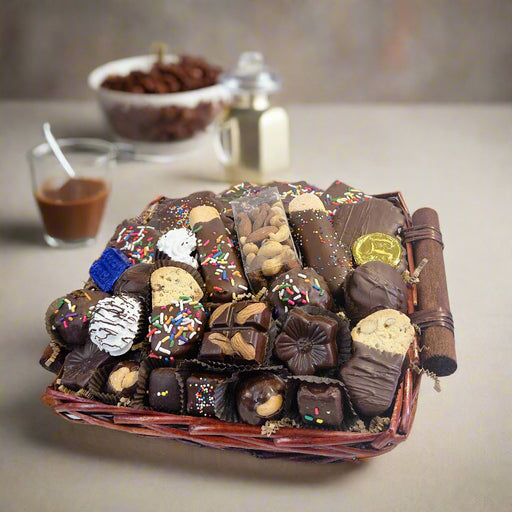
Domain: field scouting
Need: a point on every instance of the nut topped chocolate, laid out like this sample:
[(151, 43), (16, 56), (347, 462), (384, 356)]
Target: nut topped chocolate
[(260, 398)]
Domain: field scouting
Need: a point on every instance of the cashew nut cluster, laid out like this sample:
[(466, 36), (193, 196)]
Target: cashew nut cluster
[(265, 239)]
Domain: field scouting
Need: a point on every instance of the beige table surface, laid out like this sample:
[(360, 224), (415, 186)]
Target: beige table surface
[(456, 159)]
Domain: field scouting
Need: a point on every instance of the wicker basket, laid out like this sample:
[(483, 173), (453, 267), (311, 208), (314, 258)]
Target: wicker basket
[(299, 444)]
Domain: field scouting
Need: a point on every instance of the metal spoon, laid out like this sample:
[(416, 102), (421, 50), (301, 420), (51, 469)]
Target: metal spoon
[(54, 145)]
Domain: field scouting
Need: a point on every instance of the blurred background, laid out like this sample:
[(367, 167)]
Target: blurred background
[(326, 50)]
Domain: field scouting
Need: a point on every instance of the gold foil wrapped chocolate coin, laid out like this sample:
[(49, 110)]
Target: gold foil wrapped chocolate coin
[(377, 247)]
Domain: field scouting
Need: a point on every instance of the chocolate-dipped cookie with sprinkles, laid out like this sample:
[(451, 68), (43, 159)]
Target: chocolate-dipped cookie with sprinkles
[(299, 287), (70, 319), (289, 191), (220, 264), (175, 330), (173, 213), (136, 241), (340, 193), (314, 234)]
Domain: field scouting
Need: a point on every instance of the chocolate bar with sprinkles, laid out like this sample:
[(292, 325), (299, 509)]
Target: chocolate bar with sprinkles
[(137, 242), (320, 249), (299, 287), (220, 265), (176, 330), (237, 333)]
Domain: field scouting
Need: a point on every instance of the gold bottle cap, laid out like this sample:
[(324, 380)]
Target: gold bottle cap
[(377, 247)]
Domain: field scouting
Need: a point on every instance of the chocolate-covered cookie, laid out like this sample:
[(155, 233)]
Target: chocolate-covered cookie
[(307, 343), (380, 342), (260, 398), (318, 243), (289, 191), (220, 263), (299, 287), (116, 323), (70, 320), (137, 241), (373, 286), (173, 213), (338, 193), (320, 404), (176, 330)]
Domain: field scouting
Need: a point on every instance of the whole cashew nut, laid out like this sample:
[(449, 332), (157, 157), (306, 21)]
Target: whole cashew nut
[(282, 234)]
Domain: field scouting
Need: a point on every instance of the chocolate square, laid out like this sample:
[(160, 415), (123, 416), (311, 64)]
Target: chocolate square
[(164, 390), (320, 404), (201, 390)]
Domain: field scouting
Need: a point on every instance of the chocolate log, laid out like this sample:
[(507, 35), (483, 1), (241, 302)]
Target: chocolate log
[(320, 249), (433, 315), (220, 265)]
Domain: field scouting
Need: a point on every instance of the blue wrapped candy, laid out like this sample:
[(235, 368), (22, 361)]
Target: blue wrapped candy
[(107, 269)]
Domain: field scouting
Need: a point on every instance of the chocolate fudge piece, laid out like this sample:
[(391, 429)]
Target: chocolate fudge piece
[(164, 390), (320, 404), (201, 391), (260, 398), (237, 333)]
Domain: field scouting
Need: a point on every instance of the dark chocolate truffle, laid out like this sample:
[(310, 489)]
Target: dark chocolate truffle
[(307, 343), (80, 365), (373, 286), (299, 287), (71, 318), (201, 392), (320, 404), (260, 398), (122, 380), (164, 390)]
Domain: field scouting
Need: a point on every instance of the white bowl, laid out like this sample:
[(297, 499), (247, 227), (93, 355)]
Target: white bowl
[(155, 117)]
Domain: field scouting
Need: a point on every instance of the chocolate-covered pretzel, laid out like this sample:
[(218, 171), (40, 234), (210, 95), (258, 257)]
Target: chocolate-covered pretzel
[(220, 265), (320, 249)]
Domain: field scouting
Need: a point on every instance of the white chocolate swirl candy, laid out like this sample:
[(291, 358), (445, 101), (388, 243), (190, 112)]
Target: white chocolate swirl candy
[(178, 244), (114, 324)]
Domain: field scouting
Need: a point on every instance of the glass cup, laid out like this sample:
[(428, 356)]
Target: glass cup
[(72, 208)]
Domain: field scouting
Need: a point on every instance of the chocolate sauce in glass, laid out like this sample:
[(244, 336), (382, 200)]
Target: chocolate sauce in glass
[(72, 210)]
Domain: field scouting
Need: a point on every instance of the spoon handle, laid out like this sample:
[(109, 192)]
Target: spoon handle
[(57, 151)]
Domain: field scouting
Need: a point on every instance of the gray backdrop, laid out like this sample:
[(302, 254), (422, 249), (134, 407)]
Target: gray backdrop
[(326, 50)]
